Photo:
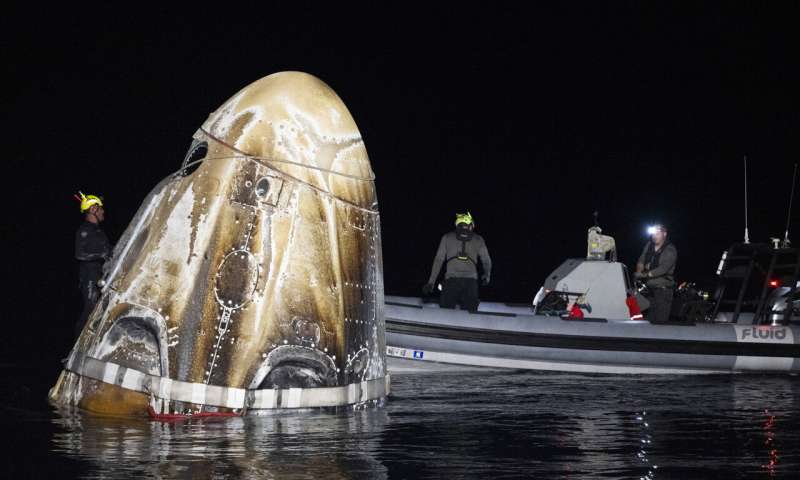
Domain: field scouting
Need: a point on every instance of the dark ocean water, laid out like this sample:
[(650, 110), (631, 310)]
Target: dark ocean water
[(444, 424)]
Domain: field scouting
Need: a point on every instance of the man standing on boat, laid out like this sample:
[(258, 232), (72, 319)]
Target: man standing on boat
[(656, 268), (460, 250)]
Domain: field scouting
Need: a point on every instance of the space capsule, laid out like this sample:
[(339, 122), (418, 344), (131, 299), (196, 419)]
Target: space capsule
[(250, 279)]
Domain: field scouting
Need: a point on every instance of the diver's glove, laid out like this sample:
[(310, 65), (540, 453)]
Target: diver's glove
[(485, 279), (427, 289), (639, 275)]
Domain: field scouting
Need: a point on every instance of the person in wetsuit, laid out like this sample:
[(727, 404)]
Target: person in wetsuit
[(92, 249), (460, 250), (656, 268)]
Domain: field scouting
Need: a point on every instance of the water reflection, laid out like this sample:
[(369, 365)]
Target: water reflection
[(488, 425), (769, 431), (645, 441), (300, 445), (724, 426), (771, 405)]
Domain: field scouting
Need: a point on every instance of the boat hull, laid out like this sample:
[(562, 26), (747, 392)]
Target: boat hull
[(426, 333)]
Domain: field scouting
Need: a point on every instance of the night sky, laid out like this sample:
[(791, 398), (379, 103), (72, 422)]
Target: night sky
[(529, 118)]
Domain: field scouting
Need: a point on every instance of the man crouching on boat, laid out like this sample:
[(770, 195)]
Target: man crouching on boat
[(656, 268), (460, 250)]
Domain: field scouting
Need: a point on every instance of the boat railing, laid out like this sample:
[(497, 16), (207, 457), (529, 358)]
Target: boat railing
[(747, 275)]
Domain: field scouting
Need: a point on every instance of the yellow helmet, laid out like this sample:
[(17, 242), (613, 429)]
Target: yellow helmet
[(464, 218), (88, 200)]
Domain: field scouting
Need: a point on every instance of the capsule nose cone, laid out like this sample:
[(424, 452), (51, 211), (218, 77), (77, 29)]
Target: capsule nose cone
[(298, 125)]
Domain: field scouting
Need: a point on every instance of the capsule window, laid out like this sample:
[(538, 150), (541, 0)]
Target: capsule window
[(267, 190), (194, 157), (262, 187)]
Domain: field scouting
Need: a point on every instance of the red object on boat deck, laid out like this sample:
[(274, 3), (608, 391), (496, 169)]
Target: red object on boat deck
[(575, 311), (633, 308)]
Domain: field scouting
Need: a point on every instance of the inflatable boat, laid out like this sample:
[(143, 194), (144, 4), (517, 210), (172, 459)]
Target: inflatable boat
[(718, 335)]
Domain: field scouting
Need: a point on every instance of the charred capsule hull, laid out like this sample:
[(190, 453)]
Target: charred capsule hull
[(252, 278)]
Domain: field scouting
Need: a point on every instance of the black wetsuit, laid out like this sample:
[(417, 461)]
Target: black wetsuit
[(92, 249)]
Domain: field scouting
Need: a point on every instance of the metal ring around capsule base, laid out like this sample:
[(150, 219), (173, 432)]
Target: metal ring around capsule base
[(164, 388)]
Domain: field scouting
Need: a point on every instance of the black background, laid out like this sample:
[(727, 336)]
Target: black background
[(529, 118)]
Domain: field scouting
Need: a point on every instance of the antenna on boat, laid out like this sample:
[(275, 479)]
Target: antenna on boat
[(786, 241), (746, 233)]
